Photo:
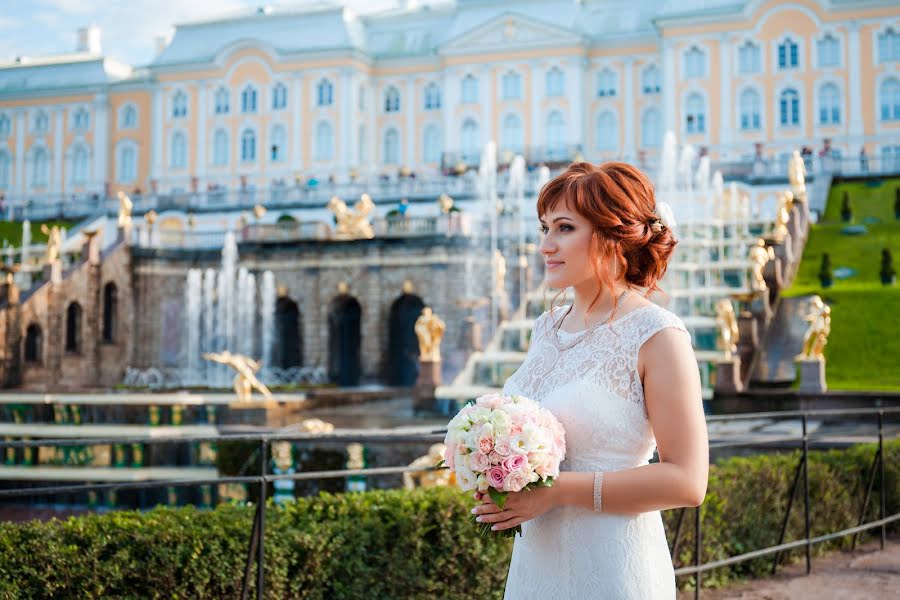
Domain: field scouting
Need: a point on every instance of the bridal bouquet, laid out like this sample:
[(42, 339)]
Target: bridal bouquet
[(501, 444)]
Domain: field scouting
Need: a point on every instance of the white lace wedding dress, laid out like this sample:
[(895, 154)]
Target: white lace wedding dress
[(595, 391)]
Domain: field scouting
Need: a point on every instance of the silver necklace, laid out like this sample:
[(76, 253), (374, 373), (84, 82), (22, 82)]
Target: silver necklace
[(555, 337)]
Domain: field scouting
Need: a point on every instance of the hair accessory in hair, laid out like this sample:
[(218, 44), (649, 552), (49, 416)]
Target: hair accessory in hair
[(664, 218)]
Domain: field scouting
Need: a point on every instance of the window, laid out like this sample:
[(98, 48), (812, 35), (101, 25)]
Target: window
[(248, 146), (749, 61), (432, 144), (607, 131), (248, 100), (512, 86), (279, 140), (556, 82), (789, 107), (5, 126), (787, 54), (695, 120), (889, 46), (73, 327), (279, 97), (220, 148), (223, 102), (33, 343), (4, 169), (469, 90), (750, 110), (110, 312), (556, 135), (469, 140), (178, 160), (650, 79), (512, 136), (829, 51), (391, 100), (324, 141), (391, 147), (829, 105), (127, 164), (79, 165), (432, 97), (80, 120), (650, 128), (695, 63), (41, 168), (890, 158), (889, 100), (325, 93), (179, 104), (606, 84), (128, 117), (41, 122)]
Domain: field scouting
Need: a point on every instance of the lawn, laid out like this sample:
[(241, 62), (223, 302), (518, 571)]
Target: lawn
[(11, 231), (863, 351)]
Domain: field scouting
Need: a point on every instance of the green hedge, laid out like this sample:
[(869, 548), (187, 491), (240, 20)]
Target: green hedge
[(396, 544)]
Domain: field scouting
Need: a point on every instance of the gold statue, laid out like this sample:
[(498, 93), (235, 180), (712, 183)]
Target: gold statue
[(759, 256), (429, 329), (283, 455), (783, 215), (816, 336), (150, 217), (355, 456), (728, 327), (440, 477), (352, 225), (446, 203), (797, 172), (125, 206), (259, 211), (245, 379), (54, 243)]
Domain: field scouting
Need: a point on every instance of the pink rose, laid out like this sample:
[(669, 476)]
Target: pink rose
[(495, 458), (496, 476), (514, 463), (516, 481), (502, 447), (486, 444), (448, 457), (491, 401), (480, 462)]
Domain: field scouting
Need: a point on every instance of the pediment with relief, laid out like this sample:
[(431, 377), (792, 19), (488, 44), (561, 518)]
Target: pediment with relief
[(509, 32)]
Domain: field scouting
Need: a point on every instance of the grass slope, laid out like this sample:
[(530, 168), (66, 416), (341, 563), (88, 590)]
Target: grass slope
[(863, 351)]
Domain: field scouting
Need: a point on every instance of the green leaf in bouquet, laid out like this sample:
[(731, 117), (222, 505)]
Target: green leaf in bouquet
[(499, 498)]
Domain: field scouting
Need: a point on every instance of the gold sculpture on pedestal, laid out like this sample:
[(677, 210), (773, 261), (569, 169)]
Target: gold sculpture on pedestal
[(783, 215), (352, 225), (245, 379), (125, 207), (54, 243), (429, 329), (759, 256), (797, 172), (441, 477), (816, 336), (728, 327), (445, 203)]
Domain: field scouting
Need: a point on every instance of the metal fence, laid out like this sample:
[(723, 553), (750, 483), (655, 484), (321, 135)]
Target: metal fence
[(256, 546)]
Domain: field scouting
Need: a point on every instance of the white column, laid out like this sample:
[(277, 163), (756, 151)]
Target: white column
[(297, 121), (670, 118), (854, 66), (101, 140), (353, 127), (410, 106), (486, 89), (576, 97), (451, 97), (628, 150), (59, 186), (156, 140), (345, 111), (202, 141), (726, 106), (20, 151), (537, 95)]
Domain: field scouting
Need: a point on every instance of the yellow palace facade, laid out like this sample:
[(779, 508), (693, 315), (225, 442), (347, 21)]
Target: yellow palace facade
[(326, 91)]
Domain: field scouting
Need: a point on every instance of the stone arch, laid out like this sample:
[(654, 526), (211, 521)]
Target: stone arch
[(34, 342), (403, 345), (344, 340), (288, 350), (110, 312), (73, 328)]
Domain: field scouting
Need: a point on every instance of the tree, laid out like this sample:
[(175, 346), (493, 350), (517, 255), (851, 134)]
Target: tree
[(897, 203), (825, 276), (888, 274)]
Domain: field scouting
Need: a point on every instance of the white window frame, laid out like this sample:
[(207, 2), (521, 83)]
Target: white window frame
[(612, 140), (249, 100), (279, 96), (878, 46), (324, 152), (222, 101), (123, 116), (756, 51), (657, 140), (820, 86), (512, 139), (511, 86), (555, 82), (797, 88), (879, 105), (431, 152), (122, 175), (432, 93), (388, 157), (183, 161), (248, 158), (760, 103), (280, 155), (607, 83), (469, 89), (180, 103), (788, 36), (698, 130), (696, 68), (324, 93), (651, 80), (391, 99), (839, 52), (226, 159), (5, 125)]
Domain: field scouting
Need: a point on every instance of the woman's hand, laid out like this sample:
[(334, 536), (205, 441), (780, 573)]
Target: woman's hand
[(518, 508)]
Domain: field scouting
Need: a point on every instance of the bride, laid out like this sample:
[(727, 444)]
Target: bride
[(619, 373)]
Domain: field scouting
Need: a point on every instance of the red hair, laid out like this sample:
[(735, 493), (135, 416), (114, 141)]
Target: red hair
[(618, 200)]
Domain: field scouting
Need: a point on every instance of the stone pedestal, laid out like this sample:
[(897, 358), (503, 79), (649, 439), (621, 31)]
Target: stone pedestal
[(748, 341), (53, 272), (429, 378), (812, 374), (773, 277), (728, 376), (470, 338)]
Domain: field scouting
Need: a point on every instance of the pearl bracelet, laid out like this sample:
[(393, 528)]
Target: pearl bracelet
[(598, 485)]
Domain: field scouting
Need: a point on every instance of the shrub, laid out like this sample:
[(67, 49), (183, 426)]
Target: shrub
[(825, 276)]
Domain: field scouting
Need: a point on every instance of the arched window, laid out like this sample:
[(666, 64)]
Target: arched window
[(220, 148), (391, 147), (829, 104), (650, 79), (556, 134), (279, 141), (829, 51), (248, 99), (279, 97), (179, 104), (788, 54), (469, 92), (555, 82), (749, 58), (5, 126), (41, 122), (73, 327), (750, 109), (34, 342), (324, 93), (512, 139), (41, 168), (110, 312), (391, 100), (431, 143), (650, 128), (80, 120), (5, 162), (888, 46), (79, 165), (178, 160), (607, 131), (223, 101), (789, 107), (324, 141), (432, 96), (889, 99), (512, 86), (127, 163), (128, 119), (470, 140), (248, 146), (695, 118), (695, 63), (606, 84)]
